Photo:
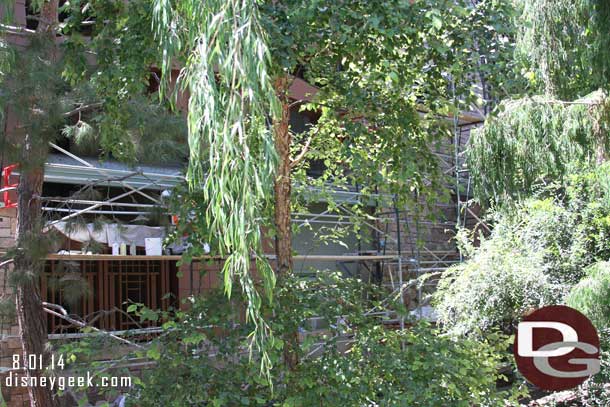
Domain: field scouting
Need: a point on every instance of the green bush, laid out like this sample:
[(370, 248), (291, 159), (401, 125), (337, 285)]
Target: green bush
[(591, 296), (538, 250), (502, 280), (430, 370), (359, 362), (547, 227)]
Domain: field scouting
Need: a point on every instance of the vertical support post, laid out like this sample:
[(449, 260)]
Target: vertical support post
[(399, 251), (418, 270), (456, 142), (402, 292), (359, 264)]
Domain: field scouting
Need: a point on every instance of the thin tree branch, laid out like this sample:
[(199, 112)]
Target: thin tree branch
[(304, 150), (83, 108), (61, 313), (297, 102)]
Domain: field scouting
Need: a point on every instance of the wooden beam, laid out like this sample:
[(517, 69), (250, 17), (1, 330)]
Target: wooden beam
[(109, 257)]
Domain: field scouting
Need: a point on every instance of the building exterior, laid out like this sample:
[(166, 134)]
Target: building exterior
[(388, 253)]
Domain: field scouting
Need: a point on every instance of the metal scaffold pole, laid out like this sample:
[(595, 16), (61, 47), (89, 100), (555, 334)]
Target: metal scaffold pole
[(399, 251), (456, 144)]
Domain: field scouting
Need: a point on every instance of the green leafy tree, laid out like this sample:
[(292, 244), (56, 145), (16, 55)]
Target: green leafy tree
[(534, 141), (386, 75), (562, 49)]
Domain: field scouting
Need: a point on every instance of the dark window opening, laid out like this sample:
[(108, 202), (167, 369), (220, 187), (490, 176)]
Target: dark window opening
[(106, 290)]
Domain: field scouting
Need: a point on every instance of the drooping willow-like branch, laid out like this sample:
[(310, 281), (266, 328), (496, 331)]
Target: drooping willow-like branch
[(534, 140), (232, 154)]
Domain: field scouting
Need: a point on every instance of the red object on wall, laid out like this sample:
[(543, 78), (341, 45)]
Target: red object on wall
[(6, 185)]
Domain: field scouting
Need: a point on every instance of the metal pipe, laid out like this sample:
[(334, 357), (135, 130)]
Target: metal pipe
[(103, 203), (104, 172), (400, 282), (100, 212), (116, 198)]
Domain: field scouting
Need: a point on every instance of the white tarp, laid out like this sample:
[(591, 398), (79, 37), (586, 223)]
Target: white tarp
[(109, 233)]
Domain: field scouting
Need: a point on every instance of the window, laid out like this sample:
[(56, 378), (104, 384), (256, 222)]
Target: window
[(106, 289)]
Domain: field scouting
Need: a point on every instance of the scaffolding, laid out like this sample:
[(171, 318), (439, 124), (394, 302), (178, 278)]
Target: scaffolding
[(413, 253), (408, 256)]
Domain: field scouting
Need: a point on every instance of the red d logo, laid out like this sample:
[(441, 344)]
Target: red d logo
[(556, 348)]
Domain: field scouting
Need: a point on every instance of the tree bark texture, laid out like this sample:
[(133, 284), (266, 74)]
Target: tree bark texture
[(282, 187), (27, 266), (282, 191)]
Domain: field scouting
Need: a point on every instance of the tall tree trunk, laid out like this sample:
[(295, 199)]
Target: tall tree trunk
[(28, 264), (32, 326), (282, 187), (282, 190), (48, 17)]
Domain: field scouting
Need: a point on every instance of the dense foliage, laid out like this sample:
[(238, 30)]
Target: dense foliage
[(386, 74), (385, 71), (103, 109), (355, 361), (563, 45), (117, 115), (535, 254), (562, 49), (591, 295), (533, 141), (225, 69), (501, 281)]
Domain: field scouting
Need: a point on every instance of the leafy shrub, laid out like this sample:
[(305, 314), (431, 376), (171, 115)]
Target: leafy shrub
[(502, 280), (538, 250), (591, 296), (430, 370), (588, 196), (358, 362), (547, 227)]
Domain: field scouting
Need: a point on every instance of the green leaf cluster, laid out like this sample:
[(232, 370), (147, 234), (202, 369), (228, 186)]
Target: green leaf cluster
[(225, 71)]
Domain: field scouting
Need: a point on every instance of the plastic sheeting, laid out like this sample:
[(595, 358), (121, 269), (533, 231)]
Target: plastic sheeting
[(109, 233)]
